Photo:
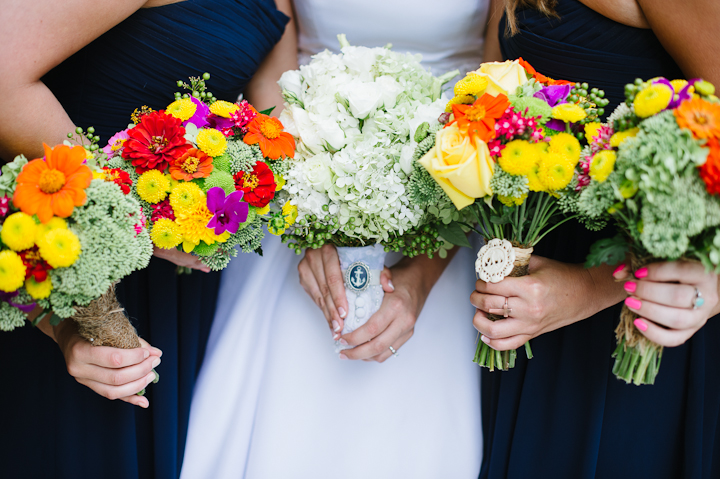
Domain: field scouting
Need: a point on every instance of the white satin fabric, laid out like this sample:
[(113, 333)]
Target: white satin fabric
[(273, 400)]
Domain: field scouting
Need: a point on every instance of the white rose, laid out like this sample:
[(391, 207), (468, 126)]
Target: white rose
[(390, 89), (317, 171), (292, 82), (426, 113), (363, 97)]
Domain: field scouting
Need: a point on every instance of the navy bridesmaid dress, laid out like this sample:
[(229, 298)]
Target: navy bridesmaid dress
[(563, 414), (53, 427)]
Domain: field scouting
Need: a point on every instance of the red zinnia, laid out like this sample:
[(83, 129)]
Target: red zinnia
[(258, 185), (479, 118), (710, 171), (119, 177), (162, 210), (35, 266), (155, 141)]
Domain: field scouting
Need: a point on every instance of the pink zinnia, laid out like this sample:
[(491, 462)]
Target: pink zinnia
[(115, 143)]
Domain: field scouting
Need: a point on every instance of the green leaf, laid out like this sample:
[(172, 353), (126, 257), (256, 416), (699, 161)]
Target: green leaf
[(499, 220), (609, 250), (454, 234), (55, 320), (268, 111), (39, 318)]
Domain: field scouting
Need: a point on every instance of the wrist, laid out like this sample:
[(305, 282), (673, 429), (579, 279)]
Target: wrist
[(602, 288)]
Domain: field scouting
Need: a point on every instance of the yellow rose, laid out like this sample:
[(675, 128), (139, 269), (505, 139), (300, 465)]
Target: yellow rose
[(461, 166), (503, 77)]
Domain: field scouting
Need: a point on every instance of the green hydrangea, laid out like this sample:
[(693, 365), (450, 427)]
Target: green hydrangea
[(511, 186), (10, 171), (242, 156), (219, 178), (535, 107)]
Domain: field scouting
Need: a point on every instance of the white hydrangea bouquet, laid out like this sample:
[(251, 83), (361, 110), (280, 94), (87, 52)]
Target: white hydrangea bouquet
[(355, 116)]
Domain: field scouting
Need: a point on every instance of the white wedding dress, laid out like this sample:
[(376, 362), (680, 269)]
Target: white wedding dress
[(273, 400)]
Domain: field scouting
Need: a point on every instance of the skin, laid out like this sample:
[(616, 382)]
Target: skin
[(38, 36)]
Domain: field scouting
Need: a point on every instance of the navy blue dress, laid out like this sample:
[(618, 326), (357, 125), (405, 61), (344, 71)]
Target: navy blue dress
[(53, 427), (563, 414)]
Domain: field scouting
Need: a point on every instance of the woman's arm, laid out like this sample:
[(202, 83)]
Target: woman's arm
[(492, 51)]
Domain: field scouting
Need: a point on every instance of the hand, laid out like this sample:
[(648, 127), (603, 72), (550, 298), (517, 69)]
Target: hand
[(110, 372), (663, 295), (553, 295), (322, 279), (181, 258)]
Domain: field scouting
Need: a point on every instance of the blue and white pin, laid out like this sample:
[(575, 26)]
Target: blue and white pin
[(357, 277)]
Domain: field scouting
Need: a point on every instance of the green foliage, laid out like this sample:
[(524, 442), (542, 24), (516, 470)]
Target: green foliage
[(247, 239), (10, 172), (219, 178), (535, 107), (11, 317), (453, 233), (505, 184), (222, 163), (609, 251)]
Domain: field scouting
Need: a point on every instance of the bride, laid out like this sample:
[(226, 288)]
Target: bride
[(273, 400)]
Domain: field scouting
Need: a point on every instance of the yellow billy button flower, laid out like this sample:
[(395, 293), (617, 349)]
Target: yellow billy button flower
[(652, 100), (53, 224), (567, 145), (603, 163), (12, 271), (18, 231), (568, 112), (518, 157), (290, 212), (153, 186), (185, 196), (556, 171), (182, 109), (472, 84), (459, 100), (165, 234), (38, 290), (621, 136), (211, 141), (223, 108), (263, 211), (60, 248)]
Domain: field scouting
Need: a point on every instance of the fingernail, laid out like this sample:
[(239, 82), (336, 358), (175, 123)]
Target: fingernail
[(342, 356), (342, 313), (633, 303), (336, 325), (619, 268), (343, 342), (205, 270), (484, 339), (144, 404), (146, 354), (156, 362), (641, 273), (640, 324), (159, 352), (391, 285), (151, 377), (630, 286), (336, 337)]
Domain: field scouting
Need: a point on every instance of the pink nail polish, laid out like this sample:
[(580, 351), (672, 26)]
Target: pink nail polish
[(641, 273), (342, 356), (640, 324), (630, 286), (336, 326), (619, 268), (342, 312), (633, 303), (343, 342)]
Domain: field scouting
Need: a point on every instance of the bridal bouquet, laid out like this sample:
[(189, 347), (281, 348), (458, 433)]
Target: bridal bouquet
[(355, 116), (204, 171), (654, 168), (508, 152)]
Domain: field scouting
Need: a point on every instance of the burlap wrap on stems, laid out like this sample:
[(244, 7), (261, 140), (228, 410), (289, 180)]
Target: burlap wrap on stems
[(520, 268), (103, 322)]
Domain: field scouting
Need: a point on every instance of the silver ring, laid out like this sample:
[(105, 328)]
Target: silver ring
[(393, 351), (698, 300)]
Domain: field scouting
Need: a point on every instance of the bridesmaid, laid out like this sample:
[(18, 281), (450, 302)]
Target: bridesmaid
[(564, 414), (91, 63)]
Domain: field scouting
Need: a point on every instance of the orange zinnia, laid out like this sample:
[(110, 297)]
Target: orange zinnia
[(54, 185), (268, 132), (700, 117), (192, 164), (479, 118), (539, 77)]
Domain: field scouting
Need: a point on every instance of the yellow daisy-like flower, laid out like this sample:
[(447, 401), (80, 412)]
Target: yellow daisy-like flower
[(98, 175), (153, 186), (290, 212), (38, 290), (472, 84), (592, 130), (621, 136), (60, 248), (223, 108), (193, 227), (568, 112), (511, 201), (459, 100), (534, 183), (165, 233), (12, 271), (185, 196), (652, 100), (18, 231), (89, 155), (263, 211), (280, 182), (173, 182), (556, 171), (53, 224), (566, 144), (602, 165), (182, 109), (518, 157), (211, 141)]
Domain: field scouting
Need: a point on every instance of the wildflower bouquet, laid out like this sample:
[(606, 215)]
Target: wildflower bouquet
[(654, 168), (355, 116), (204, 171), (508, 153)]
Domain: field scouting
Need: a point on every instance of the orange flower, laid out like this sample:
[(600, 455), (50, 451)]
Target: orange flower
[(700, 117), (53, 185), (478, 119), (710, 171), (274, 142), (539, 77), (192, 164)]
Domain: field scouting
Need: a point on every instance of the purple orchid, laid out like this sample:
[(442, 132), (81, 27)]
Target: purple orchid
[(220, 123), (228, 212), (6, 297), (202, 111), (554, 95), (678, 97)]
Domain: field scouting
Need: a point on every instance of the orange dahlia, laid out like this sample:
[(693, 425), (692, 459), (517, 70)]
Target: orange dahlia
[(479, 118), (539, 77), (193, 164), (710, 171), (700, 117), (54, 185), (268, 132)]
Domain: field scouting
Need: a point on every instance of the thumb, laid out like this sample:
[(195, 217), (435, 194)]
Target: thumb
[(386, 280), (622, 272)]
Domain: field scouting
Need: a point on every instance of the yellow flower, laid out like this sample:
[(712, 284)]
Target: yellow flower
[(462, 166), (280, 181), (518, 157), (534, 183), (459, 100), (568, 112), (165, 233), (566, 144), (511, 201), (153, 186), (263, 211), (621, 136), (290, 212), (171, 181), (12, 271), (18, 231), (38, 290), (211, 141), (60, 248), (98, 175), (556, 171), (53, 224), (223, 108), (185, 196), (652, 100), (503, 77), (193, 227), (472, 84), (592, 130), (602, 165), (182, 109)]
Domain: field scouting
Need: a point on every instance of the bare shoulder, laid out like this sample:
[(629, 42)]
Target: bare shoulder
[(627, 12)]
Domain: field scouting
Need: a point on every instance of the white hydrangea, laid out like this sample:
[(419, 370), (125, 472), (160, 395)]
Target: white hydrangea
[(354, 116)]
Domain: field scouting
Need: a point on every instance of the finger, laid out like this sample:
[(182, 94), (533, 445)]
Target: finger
[(663, 336), (107, 357), (119, 377), (687, 272), (153, 350), (507, 287), (621, 272), (674, 318), (668, 294), (376, 325), (486, 302), (334, 280), (379, 344), (136, 400), (386, 280), (506, 344), (500, 329), (117, 392), (308, 271), (381, 358)]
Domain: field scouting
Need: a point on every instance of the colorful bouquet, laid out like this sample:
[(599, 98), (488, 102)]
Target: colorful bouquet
[(654, 168), (204, 171), (355, 116), (508, 153)]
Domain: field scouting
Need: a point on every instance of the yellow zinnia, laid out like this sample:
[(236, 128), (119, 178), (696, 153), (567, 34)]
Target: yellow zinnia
[(12, 271), (18, 231), (153, 186), (211, 141), (602, 165), (60, 248), (652, 100), (566, 144), (472, 84), (38, 290), (556, 171), (165, 234), (182, 109), (518, 157), (223, 108)]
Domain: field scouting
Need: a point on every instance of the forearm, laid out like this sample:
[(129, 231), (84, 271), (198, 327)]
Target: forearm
[(603, 290), (492, 51)]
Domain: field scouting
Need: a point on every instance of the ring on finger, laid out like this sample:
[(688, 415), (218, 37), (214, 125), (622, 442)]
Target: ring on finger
[(505, 311), (698, 299), (393, 351)]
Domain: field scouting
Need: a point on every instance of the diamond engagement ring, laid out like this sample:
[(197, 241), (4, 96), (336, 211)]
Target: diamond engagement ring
[(393, 351), (505, 311), (698, 300)]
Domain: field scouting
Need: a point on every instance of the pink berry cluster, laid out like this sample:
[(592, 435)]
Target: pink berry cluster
[(513, 125)]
